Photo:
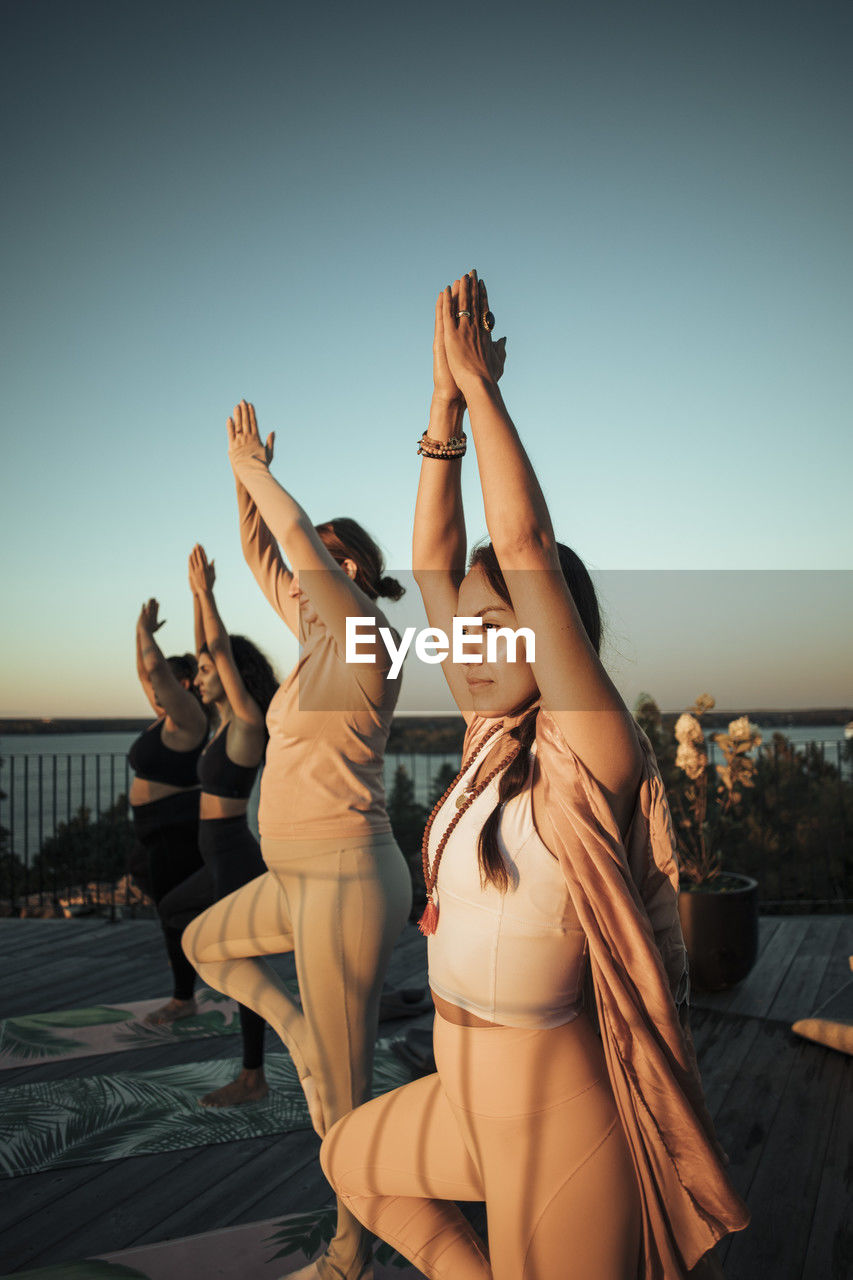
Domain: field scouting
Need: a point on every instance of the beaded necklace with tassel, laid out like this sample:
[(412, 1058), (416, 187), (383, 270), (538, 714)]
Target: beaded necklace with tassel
[(428, 922)]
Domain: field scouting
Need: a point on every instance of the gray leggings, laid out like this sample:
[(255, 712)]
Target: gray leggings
[(339, 905)]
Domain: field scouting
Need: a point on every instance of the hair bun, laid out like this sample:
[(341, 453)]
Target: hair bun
[(390, 588)]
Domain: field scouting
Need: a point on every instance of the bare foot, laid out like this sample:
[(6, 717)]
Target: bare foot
[(315, 1111), (250, 1086), (171, 1012)]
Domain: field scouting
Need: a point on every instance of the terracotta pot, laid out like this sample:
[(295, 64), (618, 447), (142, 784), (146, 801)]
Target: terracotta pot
[(720, 927)]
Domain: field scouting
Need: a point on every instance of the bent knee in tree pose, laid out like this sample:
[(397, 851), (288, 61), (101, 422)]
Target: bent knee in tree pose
[(336, 889), (548, 861), (236, 682)]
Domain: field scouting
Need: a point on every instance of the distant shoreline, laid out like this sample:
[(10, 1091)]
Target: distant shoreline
[(117, 724), (420, 732)]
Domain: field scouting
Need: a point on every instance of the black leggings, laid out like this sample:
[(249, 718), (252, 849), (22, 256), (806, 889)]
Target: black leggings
[(167, 832), (232, 858)]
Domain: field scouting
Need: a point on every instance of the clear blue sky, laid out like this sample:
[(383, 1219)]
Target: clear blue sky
[(204, 201)]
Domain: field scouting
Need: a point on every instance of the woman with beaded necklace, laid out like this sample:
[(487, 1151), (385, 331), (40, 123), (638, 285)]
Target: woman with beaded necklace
[(548, 859)]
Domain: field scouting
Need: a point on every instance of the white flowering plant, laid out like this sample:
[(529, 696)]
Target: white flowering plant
[(700, 833)]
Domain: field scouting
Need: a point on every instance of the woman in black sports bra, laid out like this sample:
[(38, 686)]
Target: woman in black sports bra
[(164, 799), (237, 683)]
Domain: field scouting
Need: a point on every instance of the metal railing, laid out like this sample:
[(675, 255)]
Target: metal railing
[(65, 830), (796, 825)]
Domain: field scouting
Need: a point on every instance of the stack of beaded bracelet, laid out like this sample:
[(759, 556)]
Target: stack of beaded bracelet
[(453, 448)]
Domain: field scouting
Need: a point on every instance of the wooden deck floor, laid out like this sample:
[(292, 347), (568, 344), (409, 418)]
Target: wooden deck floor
[(783, 1107)]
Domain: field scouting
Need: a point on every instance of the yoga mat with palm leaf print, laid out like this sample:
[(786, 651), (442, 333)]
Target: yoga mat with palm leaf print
[(90, 1269), (79, 1033), (254, 1251), (90, 1119), (32, 1038)]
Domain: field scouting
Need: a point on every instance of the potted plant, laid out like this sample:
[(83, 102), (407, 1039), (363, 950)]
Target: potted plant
[(718, 908)]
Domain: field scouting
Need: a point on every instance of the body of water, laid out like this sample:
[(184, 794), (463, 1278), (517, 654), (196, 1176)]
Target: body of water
[(47, 777), (830, 735)]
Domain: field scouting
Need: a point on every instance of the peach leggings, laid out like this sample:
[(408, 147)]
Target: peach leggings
[(522, 1119), (339, 905)]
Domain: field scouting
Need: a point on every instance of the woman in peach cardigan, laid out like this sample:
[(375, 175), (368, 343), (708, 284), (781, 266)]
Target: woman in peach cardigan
[(551, 855)]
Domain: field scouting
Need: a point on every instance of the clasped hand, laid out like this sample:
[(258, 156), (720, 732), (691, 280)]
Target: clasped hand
[(463, 350), (244, 439), (201, 571)]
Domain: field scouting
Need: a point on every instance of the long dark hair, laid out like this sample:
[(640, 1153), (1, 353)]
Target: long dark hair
[(255, 670), (184, 666), (512, 780), (346, 540)]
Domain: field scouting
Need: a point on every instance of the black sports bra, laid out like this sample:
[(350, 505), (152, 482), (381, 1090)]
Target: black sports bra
[(220, 776), (153, 761)]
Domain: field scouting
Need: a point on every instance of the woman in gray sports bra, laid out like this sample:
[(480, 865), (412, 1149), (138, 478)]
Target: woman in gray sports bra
[(235, 680), (164, 800)]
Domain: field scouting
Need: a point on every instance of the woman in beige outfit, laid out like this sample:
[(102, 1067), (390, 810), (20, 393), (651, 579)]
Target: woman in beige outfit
[(337, 891)]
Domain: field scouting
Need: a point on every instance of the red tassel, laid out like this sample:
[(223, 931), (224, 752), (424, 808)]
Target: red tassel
[(428, 922)]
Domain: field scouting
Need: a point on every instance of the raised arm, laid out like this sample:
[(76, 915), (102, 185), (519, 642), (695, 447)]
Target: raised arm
[(215, 636), (331, 591), (144, 678), (198, 620), (572, 681), (261, 552), (439, 542), (170, 696)]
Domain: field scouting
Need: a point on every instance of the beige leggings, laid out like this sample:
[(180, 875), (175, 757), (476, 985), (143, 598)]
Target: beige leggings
[(339, 905), (522, 1119)]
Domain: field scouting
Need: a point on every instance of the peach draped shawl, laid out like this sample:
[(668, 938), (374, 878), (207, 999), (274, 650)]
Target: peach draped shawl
[(625, 894)]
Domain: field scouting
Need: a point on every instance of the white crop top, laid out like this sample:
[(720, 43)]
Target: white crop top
[(514, 958)]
